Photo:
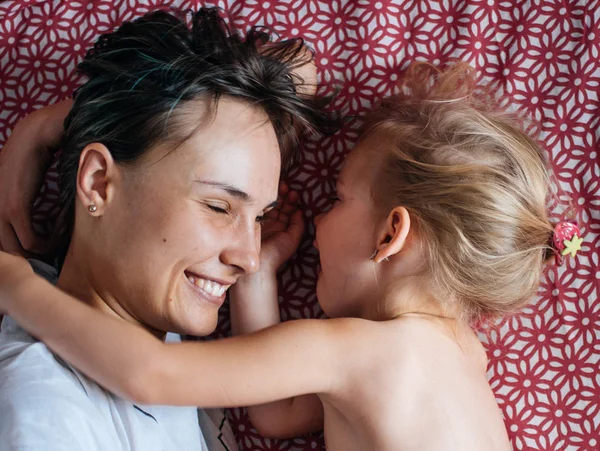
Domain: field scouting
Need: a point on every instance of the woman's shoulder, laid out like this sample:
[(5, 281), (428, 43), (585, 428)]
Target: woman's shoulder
[(42, 398), (44, 404), (28, 366)]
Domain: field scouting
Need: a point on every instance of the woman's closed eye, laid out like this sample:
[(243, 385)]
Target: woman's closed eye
[(222, 209)]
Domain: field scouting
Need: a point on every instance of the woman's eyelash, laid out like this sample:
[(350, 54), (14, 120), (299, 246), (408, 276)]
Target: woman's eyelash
[(334, 198), (221, 210), (217, 209)]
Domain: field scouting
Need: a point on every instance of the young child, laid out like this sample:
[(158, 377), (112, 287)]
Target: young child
[(439, 220)]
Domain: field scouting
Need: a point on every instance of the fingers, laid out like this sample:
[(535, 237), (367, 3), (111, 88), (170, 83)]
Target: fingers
[(24, 232), (281, 197), (283, 189), (23, 164), (9, 242), (288, 207), (280, 218), (284, 207), (286, 197), (296, 227)]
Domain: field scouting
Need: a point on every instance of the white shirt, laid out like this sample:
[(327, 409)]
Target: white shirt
[(47, 405)]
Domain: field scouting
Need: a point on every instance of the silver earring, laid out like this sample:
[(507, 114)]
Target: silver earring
[(92, 208)]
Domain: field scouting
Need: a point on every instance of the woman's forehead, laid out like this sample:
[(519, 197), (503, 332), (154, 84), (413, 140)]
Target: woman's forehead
[(230, 125)]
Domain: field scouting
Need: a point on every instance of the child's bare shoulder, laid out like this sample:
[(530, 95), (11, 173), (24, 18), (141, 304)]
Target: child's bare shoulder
[(437, 335), (399, 345), (407, 343), (405, 333)]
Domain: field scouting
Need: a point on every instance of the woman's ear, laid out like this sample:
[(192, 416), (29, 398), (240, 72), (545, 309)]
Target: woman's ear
[(95, 178), (393, 237)]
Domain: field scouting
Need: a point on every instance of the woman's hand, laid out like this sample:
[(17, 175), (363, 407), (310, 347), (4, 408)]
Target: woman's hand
[(282, 231), (14, 272), (24, 161)]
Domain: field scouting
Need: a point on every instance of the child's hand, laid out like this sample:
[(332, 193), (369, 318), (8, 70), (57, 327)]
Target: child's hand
[(24, 161), (281, 231), (14, 272)]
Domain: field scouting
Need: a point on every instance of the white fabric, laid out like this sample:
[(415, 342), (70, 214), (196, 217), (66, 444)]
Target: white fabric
[(47, 405), (216, 429)]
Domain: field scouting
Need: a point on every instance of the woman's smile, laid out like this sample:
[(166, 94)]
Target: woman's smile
[(208, 289)]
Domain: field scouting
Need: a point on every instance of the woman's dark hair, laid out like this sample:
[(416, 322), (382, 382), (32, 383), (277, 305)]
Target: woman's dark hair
[(140, 76)]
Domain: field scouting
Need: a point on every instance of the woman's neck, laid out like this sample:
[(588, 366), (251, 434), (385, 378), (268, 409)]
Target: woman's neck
[(77, 279)]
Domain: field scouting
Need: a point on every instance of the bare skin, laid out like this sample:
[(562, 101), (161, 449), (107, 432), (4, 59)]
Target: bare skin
[(391, 371)]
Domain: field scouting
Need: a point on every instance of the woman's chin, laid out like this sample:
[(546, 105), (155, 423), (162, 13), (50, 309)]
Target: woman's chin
[(198, 324), (196, 330)]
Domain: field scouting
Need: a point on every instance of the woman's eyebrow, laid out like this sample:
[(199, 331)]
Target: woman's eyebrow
[(230, 189), (233, 191)]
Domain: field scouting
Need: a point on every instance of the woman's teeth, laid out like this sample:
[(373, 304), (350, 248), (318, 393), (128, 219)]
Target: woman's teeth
[(210, 286)]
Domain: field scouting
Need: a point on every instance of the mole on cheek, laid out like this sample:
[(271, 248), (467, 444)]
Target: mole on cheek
[(164, 240)]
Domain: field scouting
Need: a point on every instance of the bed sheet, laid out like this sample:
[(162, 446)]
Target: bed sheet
[(545, 55)]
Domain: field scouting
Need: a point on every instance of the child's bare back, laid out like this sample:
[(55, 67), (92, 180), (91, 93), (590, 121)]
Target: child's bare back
[(414, 383)]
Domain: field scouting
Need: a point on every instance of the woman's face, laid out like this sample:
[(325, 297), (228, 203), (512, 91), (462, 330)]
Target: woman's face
[(184, 225)]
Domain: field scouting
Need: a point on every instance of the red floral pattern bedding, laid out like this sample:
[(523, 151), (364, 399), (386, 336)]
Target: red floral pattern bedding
[(544, 363)]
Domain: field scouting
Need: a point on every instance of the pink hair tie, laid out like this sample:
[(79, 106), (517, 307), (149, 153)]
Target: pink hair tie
[(567, 238)]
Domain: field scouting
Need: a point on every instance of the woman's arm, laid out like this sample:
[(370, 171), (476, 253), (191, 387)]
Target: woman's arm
[(294, 358), (24, 161)]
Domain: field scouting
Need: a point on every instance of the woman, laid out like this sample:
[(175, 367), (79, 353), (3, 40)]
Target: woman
[(170, 158)]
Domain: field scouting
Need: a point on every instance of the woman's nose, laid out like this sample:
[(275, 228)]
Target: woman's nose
[(244, 252)]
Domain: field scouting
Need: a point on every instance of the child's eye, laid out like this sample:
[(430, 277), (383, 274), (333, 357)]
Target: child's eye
[(334, 199)]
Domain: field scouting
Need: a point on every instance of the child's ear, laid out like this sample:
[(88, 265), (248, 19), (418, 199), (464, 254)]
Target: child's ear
[(393, 236), (97, 171)]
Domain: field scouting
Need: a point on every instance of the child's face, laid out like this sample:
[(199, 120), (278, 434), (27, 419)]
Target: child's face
[(346, 238)]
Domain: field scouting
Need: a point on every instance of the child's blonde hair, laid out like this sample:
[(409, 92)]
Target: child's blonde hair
[(475, 186)]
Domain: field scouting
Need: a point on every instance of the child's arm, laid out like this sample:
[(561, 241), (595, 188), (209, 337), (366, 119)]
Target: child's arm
[(253, 297), (254, 306), (294, 358), (24, 160)]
